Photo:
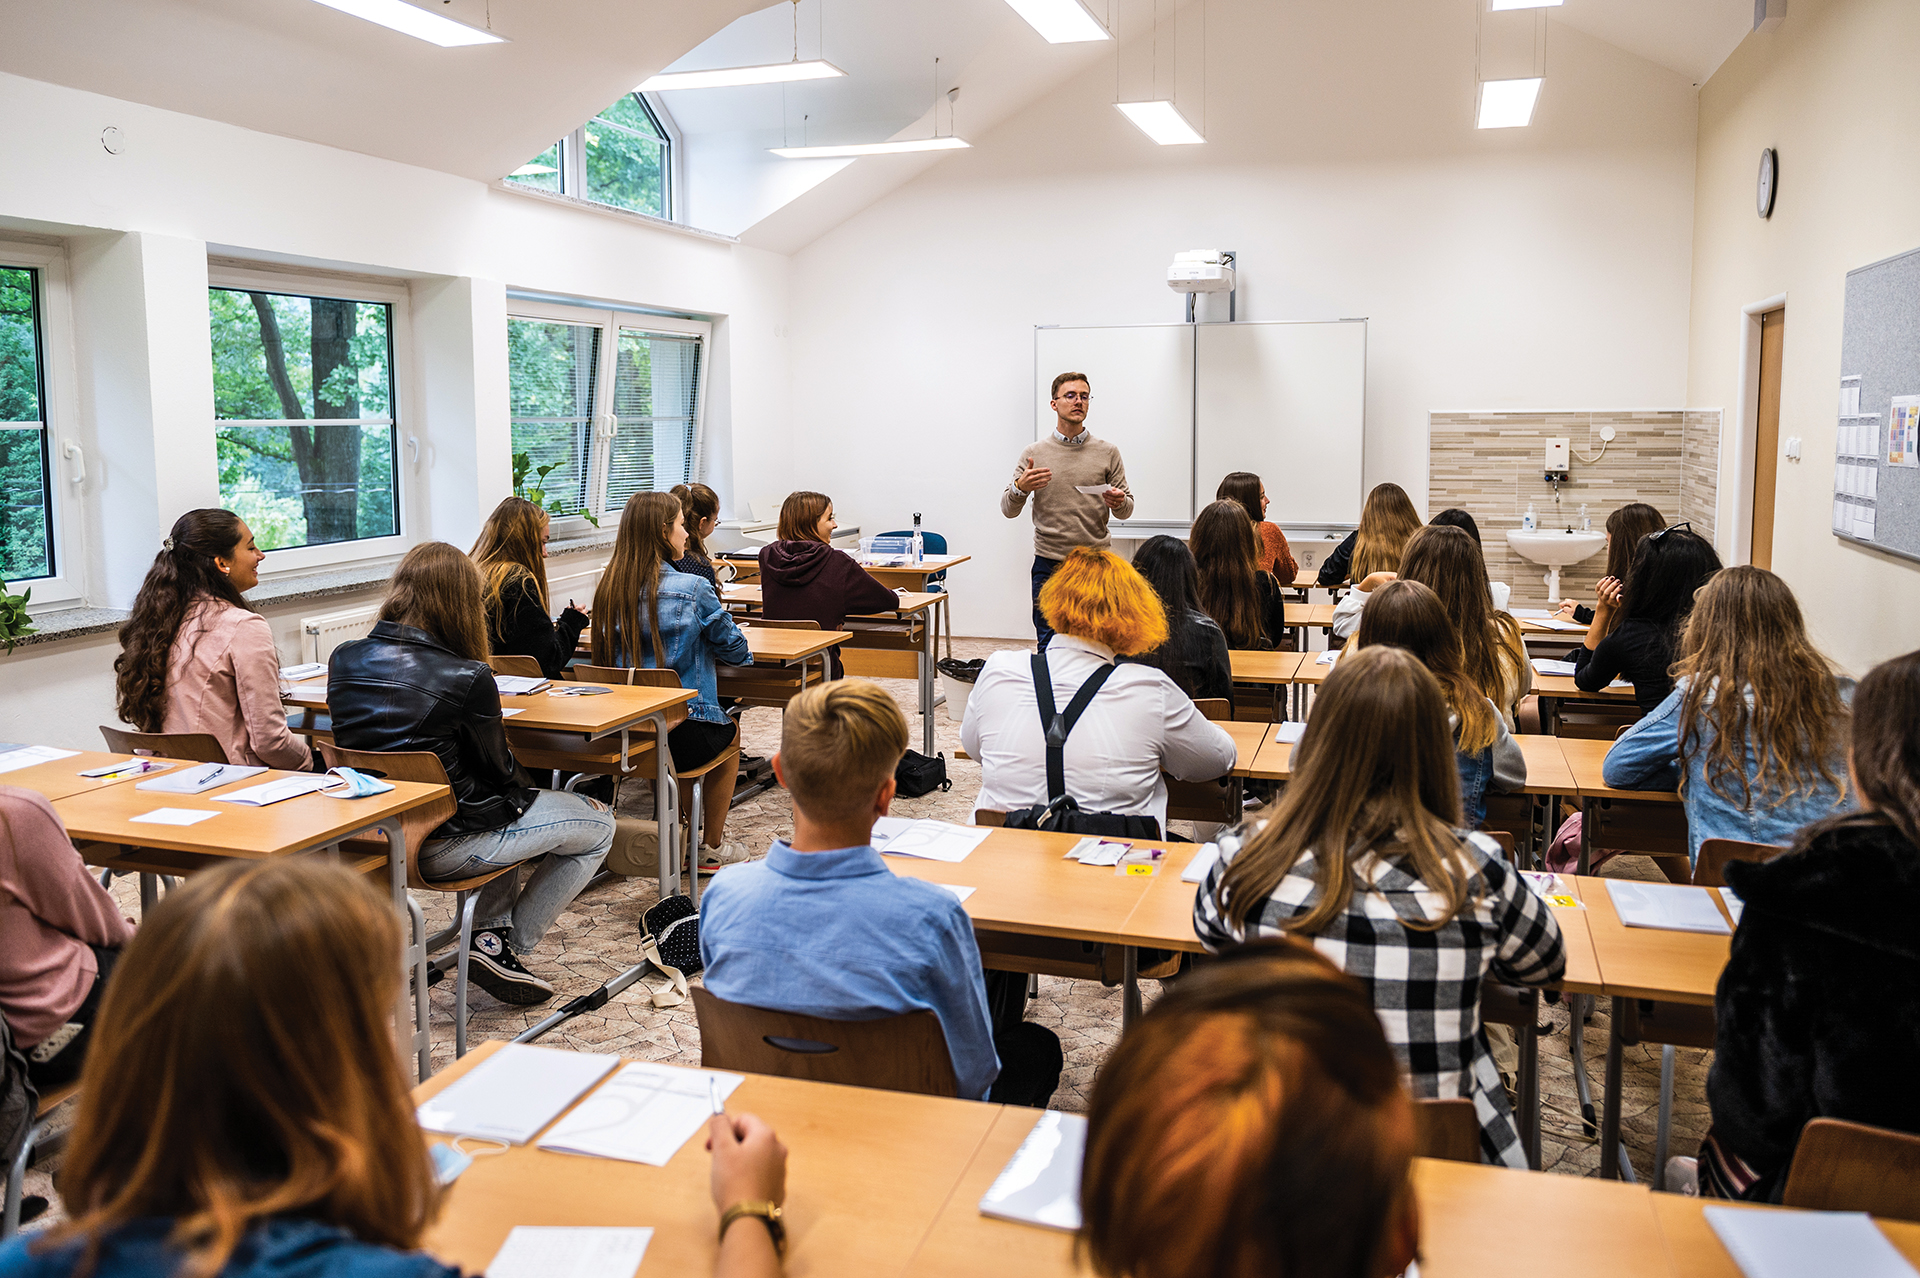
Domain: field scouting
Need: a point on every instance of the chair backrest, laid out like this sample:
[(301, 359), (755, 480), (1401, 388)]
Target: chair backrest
[(1711, 869), (1505, 839), (511, 665), (1841, 1166), (197, 746), (402, 765), (1217, 709), (641, 677), (989, 816), (766, 624), (1446, 1129), (906, 1053), (933, 542)]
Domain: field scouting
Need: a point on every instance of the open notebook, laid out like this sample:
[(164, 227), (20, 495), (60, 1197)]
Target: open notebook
[(1040, 1184)]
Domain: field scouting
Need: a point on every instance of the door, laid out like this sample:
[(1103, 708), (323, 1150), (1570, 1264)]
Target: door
[(1766, 442)]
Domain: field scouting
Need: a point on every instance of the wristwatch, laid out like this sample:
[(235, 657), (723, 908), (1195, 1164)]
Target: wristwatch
[(767, 1213)]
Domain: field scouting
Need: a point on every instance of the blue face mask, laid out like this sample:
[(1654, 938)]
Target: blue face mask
[(352, 784)]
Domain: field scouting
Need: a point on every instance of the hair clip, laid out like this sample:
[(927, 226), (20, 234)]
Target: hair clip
[(167, 544)]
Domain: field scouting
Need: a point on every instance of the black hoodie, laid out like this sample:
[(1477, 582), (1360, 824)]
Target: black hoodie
[(1818, 1011), (811, 581)]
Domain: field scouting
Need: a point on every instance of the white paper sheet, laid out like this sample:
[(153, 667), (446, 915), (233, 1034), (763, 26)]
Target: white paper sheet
[(1328, 657), (959, 893), (581, 1251), (931, 840), (259, 796), (28, 756), (1289, 733), (515, 1092), (1671, 907), (518, 685), (173, 816), (200, 777), (511, 711), (1542, 666), (1040, 1185), (643, 1114), (1202, 862), (1792, 1244), (1094, 850), (1092, 490), (304, 671), (1733, 902)]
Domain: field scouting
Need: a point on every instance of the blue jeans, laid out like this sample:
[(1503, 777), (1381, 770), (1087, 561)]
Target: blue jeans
[(1476, 775), (574, 831), (1042, 570)]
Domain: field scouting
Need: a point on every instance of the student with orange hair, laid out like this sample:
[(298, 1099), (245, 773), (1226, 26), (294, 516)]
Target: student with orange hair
[(1136, 723)]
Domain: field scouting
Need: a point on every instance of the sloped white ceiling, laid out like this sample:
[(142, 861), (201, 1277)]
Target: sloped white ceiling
[(1692, 37)]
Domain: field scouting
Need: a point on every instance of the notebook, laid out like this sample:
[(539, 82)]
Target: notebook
[(1202, 862), (643, 1114), (259, 796), (515, 1092), (1543, 666), (928, 839), (1040, 1185), (519, 685), (202, 777), (1672, 907), (301, 673), (1289, 733), (1733, 902), (1794, 1244), (570, 1251)]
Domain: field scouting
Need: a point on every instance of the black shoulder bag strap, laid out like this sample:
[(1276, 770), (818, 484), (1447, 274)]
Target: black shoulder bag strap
[(1055, 727)]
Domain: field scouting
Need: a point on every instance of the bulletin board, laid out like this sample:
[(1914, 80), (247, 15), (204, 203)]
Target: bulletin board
[(1876, 482)]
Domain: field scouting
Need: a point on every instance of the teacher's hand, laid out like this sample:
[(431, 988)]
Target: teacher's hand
[(1033, 479), (1114, 498)]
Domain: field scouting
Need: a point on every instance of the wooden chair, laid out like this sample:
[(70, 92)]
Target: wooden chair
[(906, 1053), (1446, 1129), (1710, 870), (1215, 709), (1657, 831), (527, 667), (1842, 1166), (990, 816), (415, 826), (40, 1138), (772, 687), (1519, 1008), (200, 747)]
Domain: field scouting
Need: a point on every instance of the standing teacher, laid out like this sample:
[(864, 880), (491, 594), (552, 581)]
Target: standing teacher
[(1059, 470)]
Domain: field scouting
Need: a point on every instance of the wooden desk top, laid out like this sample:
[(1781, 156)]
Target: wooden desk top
[(911, 603), (1645, 962), (1696, 1249), (1312, 670), (928, 565), (1477, 1222), (1276, 757), (1299, 614), (1587, 761), (292, 825), (1247, 740), (868, 1173), (775, 644), (1547, 770), (58, 778), (1583, 975), (965, 1244), (1564, 687), (596, 716), (1250, 666)]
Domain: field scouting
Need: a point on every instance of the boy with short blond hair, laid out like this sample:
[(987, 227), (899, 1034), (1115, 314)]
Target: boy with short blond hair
[(823, 928)]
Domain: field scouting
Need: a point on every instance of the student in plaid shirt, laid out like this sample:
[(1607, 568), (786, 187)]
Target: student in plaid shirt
[(1418, 910)]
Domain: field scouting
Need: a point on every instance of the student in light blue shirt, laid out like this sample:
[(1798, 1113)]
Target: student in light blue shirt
[(823, 928)]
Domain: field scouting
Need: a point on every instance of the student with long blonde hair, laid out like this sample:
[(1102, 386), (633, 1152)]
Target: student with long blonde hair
[(649, 614), (1755, 730), (511, 554), (803, 578), (1386, 521), (1243, 601), (241, 1115), (1364, 856), (1491, 650)]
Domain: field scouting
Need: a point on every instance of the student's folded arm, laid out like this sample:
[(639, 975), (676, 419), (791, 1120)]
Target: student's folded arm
[(1761, 1086), (1531, 950), (866, 593), (1648, 756), (1595, 668), (1212, 927), (483, 735), (717, 626), (256, 677), (1196, 749)]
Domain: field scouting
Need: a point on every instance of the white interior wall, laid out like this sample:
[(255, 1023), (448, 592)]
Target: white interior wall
[(1514, 268)]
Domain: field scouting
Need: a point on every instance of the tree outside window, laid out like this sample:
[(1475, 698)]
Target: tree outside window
[(621, 158), (26, 525)]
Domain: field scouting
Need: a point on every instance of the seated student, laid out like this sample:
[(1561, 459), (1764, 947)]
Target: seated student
[(512, 557), (1195, 653), (1386, 521), (822, 927), (1638, 618), (1363, 856), (803, 578), (1275, 555), (641, 596), (60, 935), (1454, 517), (1815, 1014), (701, 505), (1243, 601), (1252, 1122), (1759, 765), (1138, 726), (1625, 528), (193, 656), (242, 1116), (421, 681), (1408, 615)]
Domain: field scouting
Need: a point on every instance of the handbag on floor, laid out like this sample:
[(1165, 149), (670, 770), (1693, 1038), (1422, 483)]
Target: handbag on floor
[(670, 940), (1061, 814), (918, 775)]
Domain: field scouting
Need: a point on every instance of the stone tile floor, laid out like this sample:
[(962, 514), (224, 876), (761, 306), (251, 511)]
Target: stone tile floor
[(597, 939)]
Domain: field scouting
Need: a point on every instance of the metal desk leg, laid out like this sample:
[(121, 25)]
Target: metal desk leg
[(1130, 987), (927, 657), (1589, 812), (1610, 1106), (1577, 1052), (666, 805), (1530, 1080)]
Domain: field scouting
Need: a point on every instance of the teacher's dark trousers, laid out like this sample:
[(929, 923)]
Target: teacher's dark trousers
[(1042, 569)]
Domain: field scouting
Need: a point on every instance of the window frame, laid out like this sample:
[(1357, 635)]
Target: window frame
[(406, 437), (573, 163), (610, 321), (59, 420)]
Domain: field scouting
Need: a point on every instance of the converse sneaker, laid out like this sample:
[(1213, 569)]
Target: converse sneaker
[(499, 972)]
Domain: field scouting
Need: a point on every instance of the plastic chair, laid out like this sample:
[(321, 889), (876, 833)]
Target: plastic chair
[(197, 746), (1446, 1129), (934, 544), (517, 665), (906, 1053), (1842, 1166), (38, 1138)]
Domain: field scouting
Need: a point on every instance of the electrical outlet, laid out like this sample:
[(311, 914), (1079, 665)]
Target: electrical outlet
[(1793, 448)]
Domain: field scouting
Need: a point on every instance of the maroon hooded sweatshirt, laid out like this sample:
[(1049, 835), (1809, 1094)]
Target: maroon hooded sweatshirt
[(811, 581)]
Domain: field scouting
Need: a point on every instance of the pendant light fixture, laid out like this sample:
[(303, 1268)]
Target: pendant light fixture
[(1061, 21), (1160, 118), (766, 73), (1504, 100), (899, 147)]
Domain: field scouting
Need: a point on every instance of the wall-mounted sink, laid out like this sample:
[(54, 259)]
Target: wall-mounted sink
[(1555, 549)]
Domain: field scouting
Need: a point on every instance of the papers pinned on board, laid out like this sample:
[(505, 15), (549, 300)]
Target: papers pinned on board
[(514, 1093), (643, 1114), (1670, 907), (1040, 1184), (575, 1251), (928, 839)]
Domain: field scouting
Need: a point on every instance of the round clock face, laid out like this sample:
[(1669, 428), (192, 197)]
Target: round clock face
[(1769, 182)]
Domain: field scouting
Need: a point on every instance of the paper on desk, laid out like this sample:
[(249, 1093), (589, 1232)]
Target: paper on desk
[(518, 685), (203, 776), (1094, 850), (1543, 666), (511, 711), (514, 1093), (959, 893), (1556, 623), (579, 1251), (1734, 903), (930, 840), (27, 756), (259, 796), (1202, 862), (1290, 733), (1672, 907), (643, 1114), (1093, 490), (1040, 1184), (303, 672), (1791, 1244), (172, 816)]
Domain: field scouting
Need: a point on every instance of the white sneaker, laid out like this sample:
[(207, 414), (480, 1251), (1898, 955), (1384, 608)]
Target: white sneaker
[(712, 859)]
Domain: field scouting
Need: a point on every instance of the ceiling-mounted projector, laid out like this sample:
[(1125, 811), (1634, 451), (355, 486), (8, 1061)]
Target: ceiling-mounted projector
[(1201, 271)]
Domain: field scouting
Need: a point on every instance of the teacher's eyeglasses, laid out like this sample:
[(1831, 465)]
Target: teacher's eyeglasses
[(1079, 395)]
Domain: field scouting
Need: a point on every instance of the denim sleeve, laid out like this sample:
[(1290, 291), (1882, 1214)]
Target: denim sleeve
[(1648, 757), (958, 993), (716, 624)]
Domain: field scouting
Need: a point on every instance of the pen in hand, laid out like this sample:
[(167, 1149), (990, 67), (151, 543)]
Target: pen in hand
[(713, 1095)]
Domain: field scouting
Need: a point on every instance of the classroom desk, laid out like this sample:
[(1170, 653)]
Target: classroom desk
[(58, 778), (1696, 1249), (1275, 761), (908, 576), (1555, 690), (774, 646), (1250, 666), (1664, 809), (1248, 739)]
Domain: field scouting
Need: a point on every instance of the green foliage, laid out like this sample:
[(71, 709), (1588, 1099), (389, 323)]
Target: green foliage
[(537, 493), (542, 172), (15, 624), (26, 549)]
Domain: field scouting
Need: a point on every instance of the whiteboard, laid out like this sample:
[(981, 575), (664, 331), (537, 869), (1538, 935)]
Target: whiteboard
[(1288, 402), (1142, 385)]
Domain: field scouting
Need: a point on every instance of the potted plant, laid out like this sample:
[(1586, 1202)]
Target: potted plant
[(15, 624), (536, 492)]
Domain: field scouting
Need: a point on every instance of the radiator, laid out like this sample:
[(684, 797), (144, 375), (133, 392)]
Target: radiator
[(325, 633)]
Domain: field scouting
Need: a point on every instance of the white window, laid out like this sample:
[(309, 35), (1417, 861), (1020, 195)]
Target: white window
[(307, 413), (40, 468), (624, 157), (606, 403)]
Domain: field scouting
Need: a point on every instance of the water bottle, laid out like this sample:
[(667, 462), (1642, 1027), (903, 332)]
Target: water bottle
[(1586, 520), (919, 542)]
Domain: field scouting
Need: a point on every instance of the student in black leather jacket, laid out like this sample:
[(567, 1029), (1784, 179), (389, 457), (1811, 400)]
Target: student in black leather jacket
[(421, 681), (1195, 653)]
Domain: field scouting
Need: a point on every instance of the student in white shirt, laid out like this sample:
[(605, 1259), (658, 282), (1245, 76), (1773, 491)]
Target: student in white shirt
[(1138, 726)]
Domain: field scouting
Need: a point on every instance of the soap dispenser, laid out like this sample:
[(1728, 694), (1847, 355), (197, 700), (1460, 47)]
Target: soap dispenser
[(1586, 520), (1528, 521)]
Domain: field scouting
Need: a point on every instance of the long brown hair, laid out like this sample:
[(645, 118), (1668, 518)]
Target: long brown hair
[(641, 552), (1252, 1123), (1746, 642), (1227, 555), (437, 589), (1625, 527), (243, 1068), (1242, 486), (1447, 561), (1374, 773), (1386, 521), (697, 502), (182, 574), (1407, 614), (1886, 742), (512, 545), (800, 516)]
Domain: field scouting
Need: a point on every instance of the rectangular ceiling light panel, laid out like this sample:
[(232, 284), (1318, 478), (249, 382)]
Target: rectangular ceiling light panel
[(868, 148), (1507, 104), (1061, 21), (418, 23), (1161, 121), (728, 77), (1497, 6)]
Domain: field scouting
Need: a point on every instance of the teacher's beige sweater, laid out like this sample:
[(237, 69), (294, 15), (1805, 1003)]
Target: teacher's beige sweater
[(1063, 517)]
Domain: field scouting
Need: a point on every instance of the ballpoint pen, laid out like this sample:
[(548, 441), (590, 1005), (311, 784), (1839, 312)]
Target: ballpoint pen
[(713, 1094)]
